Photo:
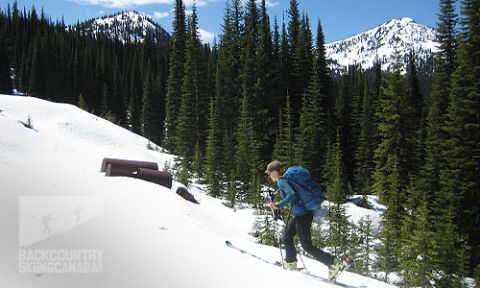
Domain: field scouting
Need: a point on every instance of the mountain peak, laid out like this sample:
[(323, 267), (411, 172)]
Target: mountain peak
[(406, 20), (126, 26), (381, 43)]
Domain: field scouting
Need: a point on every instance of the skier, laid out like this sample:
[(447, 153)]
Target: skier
[(300, 224)]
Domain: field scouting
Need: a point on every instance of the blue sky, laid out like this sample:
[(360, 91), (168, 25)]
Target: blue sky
[(340, 18)]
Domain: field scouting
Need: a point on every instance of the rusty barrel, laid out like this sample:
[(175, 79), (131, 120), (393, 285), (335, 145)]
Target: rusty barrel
[(160, 177), (183, 192), (119, 170), (133, 164)]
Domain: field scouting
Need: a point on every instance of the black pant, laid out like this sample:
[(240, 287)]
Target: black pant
[(302, 226)]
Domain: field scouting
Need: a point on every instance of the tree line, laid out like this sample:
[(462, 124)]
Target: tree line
[(264, 91), (124, 82)]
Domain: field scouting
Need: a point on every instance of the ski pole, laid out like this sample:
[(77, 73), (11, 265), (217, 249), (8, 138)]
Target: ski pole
[(272, 199)]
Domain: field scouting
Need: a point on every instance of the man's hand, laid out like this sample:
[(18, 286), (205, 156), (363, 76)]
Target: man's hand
[(273, 206)]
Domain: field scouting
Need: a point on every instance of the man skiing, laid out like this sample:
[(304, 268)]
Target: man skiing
[(300, 224)]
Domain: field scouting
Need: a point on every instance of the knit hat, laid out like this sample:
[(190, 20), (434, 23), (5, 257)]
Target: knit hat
[(274, 165)]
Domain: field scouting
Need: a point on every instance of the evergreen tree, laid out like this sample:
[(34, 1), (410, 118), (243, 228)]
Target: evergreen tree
[(310, 131), (191, 126), (390, 154), (362, 263), (151, 121), (118, 99), (135, 103), (295, 89), (265, 115), (462, 147), (390, 248), (450, 258), (246, 156), (5, 66), (326, 86), (176, 74), (229, 59), (302, 57), (284, 148), (414, 115), (417, 252), (213, 154), (346, 110), (106, 102), (365, 151), (390, 176), (36, 83), (334, 173), (249, 57), (264, 228), (338, 232)]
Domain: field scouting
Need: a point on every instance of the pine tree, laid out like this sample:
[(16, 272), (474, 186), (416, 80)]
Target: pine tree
[(444, 64), (414, 115), (450, 258), (135, 103), (391, 149), (462, 147), (362, 263), (417, 252), (118, 98), (326, 86), (365, 151), (294, 87), (176, 74), (5, 66), (346, 109), (390, 248), (213, 154), (36, 82), (263, 228), (249, 57), (265, 115), (246, 155), (390, 176), (191, 126), (151, 120), (334, 173), (338, 232), (284, 148), (310, 131), (229, 65), (302, 57)]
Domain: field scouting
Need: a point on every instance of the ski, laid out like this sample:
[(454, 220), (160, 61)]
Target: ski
[(338, 268), (279, 264), (229, 244)]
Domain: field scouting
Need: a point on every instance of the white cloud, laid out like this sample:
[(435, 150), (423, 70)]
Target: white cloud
[(268, 3), (160, 15), (198, 3), (205, 36), (132, 3), (123, 3), (271, 4)]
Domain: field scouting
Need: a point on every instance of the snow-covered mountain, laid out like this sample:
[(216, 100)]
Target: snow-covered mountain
[(127, 26), (381, 43), (58, 212)]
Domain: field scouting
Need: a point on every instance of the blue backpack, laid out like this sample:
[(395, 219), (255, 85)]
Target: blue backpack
[(308, 192)]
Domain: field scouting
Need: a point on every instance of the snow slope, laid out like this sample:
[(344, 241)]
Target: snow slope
[(54, 200)]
